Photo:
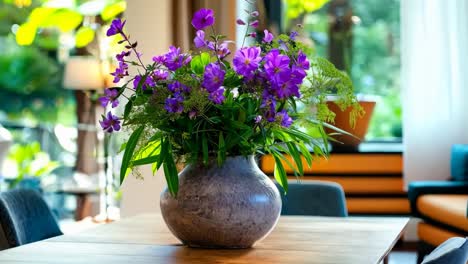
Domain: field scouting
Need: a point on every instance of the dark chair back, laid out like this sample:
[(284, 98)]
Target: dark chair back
[(316, 198), (25, 218)]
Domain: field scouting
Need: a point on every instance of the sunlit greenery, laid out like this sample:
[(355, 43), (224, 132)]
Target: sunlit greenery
[(375, 63)]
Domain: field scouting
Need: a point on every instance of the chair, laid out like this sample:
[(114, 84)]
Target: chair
[(442, 205), (318, 198), (453, 251), (25, 218)]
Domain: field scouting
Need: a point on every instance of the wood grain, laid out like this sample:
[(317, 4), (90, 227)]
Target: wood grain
[(146, 239)]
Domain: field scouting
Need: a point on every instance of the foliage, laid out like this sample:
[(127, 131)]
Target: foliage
[(295, 8), (375, 67), (30, 161), (199, 107), (67, 16)]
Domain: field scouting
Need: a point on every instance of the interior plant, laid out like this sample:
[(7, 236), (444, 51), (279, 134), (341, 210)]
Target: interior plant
[(201, 109)]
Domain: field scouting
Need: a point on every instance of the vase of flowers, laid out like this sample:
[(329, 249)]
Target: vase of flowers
[(214, 115)]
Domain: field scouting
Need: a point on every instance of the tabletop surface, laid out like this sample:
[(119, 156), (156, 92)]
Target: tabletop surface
[(146, 239)]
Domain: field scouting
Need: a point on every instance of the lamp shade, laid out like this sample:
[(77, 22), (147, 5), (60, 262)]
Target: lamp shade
[(83, 73)]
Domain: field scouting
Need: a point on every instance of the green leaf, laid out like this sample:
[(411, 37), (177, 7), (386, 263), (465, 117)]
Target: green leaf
[(128, 108), (221, 149), (26, 34), (129, 149), (84, 36), (305, 153), (144, 161), (205, 148), (113, 10), (293, 151), (199, 62), (280, 174), (170, 173), (64, 19)]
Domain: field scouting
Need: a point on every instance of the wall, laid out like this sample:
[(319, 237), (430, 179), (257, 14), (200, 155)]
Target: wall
[(148, 22)]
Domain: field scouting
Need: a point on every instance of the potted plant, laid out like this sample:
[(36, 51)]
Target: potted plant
[(214, 115)]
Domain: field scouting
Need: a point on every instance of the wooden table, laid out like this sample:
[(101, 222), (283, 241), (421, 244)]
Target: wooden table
[(146, 239)]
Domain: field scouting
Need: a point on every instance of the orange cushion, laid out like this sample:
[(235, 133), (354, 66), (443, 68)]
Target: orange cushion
[(434, 235), (449, 209)]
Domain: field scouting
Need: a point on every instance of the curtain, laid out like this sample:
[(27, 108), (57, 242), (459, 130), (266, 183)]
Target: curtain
[(435, 85)]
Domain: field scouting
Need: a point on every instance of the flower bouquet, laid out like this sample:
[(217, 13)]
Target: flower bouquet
[(202, 109)]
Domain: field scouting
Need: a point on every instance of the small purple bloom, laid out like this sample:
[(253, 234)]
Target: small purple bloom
[(258, 119), (223, 50), (293, 35), (160, 75), (120, 72), (199, 39), (121, 56), (276, 63), (240, 22), (246, 61), (159, 59), (302, 61), (110, 96), (192, 114), (177, 87), (284, 119), (213, 77), (297, 75), (110, 123), (149, 82), (254, 24), (268, 36), (253, 34), (217, 96), (203, 18), (173, 60), (174, 104), (116, 27), (283, 46), (254, 14)]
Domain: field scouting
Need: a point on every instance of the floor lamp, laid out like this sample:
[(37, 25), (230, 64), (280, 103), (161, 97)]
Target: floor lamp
[(84, 75)]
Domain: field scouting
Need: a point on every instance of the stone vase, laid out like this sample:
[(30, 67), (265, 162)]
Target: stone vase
[(228, 206)]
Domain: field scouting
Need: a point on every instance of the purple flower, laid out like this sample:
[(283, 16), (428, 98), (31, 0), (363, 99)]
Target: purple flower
[(253, 34), (120, 72), (217, 96), (254, 14), (276, 63), (199, 39), (284, 119), (293, 35), (223, 50), (192, 114), (258, 119), (284, 89), (203, 18), (297, 75), (149, 82), (116, 27), (121, 57), (159, 59), (240, 22), (246, 61), (283, 46), (160, 75), (213, 77), (110, 123), (302, 61), (110, 96), (254, 24), (268, 36), (173, 60), (177, 87), (174, 104)]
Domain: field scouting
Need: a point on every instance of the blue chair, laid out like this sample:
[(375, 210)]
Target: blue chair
[(318, 198), (25, 218), (453, 251)]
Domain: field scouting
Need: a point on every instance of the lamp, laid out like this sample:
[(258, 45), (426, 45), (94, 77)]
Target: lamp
[(83, 73)]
